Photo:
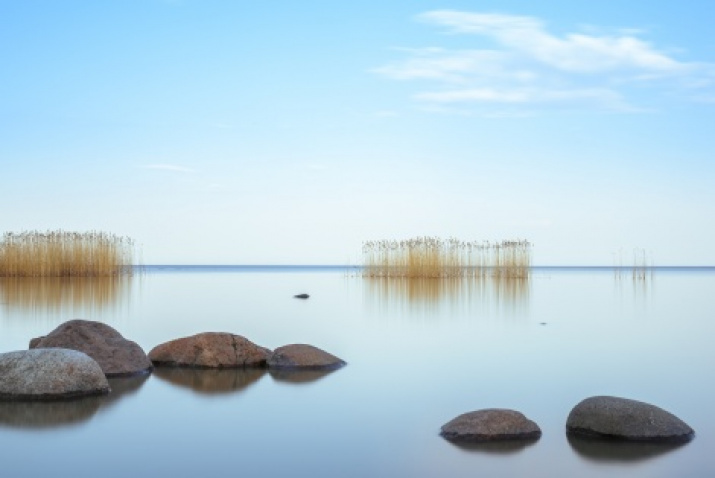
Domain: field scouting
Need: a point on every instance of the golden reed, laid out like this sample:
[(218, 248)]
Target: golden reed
[(431, 257), (65, 254)]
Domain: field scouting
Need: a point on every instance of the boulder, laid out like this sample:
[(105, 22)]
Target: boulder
[(210, 350), (625, 419), (302, 356), (49, 374), (117, 356), (490, 425)]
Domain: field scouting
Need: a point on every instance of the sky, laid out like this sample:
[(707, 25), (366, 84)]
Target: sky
[(280, 132)]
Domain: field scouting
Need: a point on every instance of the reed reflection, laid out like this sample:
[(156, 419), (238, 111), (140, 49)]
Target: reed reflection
[(497, 292), (64, 294)]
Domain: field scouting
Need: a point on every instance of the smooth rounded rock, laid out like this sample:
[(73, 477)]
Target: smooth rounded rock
[(625, 419), (117, 356), (50, 374), (302, 356), (210, 350), (489, 425)]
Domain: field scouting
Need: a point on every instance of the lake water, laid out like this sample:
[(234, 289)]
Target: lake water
[(418, 353)]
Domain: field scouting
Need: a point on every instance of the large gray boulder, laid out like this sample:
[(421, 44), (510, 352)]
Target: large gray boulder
[(303, 357), (49, 374), (489, 425), (117, 356), (625, 419), (210, 350)]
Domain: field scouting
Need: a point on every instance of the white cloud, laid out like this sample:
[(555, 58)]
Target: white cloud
[(526, 64), (168, 167), (575, 52)]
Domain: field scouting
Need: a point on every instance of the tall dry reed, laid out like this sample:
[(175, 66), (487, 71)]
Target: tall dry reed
[(65, 254), (431, 257)]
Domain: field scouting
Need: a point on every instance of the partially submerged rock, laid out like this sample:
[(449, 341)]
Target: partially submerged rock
[(116, 355), (489, 425), (50, 374), (210, 350), (302, 356), (625, 419)]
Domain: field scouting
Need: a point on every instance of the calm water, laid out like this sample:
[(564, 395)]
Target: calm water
[(418, 355)]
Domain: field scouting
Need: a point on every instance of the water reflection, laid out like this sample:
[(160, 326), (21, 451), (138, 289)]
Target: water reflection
[(298, 376), (485, 292), (618, 451), (64, 294), (62, 413), (497, 447), (210, 381)]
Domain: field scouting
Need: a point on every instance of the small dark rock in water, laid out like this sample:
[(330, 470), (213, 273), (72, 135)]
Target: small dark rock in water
[(301, 356), (116, 355), (624, 419), (50, 374), (490, 425), (301, 296)]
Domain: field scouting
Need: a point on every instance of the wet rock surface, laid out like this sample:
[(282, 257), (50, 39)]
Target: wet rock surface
[(490, 425), (50, 374), (210, 350), (626, 419), (303, 356), (116, 355)]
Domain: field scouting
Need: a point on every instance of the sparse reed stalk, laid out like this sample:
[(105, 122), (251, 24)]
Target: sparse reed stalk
[(65, 254), (431, 257)]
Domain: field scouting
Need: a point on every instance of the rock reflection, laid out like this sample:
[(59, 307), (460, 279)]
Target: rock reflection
[(496, 291), (63, 294), (210, 381), (62, 413), (296, 376), (618, 451), (507, 447)]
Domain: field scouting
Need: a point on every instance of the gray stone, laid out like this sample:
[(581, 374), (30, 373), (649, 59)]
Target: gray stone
[(210, 350), (117, 356), (49, 374), (489, 425), (625, 419), (302, 356)]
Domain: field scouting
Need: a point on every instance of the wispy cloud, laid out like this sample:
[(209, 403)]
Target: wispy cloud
[(168, 167), (528, 65)]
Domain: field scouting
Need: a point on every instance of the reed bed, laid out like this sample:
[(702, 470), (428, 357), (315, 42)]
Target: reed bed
[(431, 257), (65, 254)]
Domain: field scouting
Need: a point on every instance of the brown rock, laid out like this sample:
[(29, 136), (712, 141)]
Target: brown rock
[(490, 425), (116, 355), (210, 350), (301, 356), (49, 374)]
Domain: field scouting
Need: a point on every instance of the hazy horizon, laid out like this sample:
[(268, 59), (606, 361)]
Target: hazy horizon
[(213, 132)]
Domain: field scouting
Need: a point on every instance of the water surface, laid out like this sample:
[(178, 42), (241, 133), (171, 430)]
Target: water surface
[(418, 355)]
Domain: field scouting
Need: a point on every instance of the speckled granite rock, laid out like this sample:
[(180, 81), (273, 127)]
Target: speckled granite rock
[(210, 350), (625, 419), (302, 356), (116, 355), (492, 424), (49, 374)]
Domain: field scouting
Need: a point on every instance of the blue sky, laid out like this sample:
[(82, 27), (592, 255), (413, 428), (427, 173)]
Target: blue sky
[(290, 132)]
